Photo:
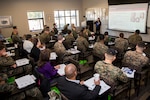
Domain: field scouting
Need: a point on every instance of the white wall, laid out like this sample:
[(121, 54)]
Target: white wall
[(104, 4), (18, 10)]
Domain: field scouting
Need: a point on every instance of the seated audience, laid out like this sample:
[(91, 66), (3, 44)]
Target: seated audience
[(6, 62), (5, 87), (134, 39), (74, 89), (121, 43), (45, 67), (136, 59), (69, 39), (111, 74), (35, 51), (27, 44), (99, 47)]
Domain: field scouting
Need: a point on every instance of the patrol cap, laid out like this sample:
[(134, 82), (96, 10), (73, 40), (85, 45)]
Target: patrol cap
[(111, 52)]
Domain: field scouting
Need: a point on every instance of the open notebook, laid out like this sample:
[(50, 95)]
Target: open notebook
[(24, 81), (21, 62), (90, 84)]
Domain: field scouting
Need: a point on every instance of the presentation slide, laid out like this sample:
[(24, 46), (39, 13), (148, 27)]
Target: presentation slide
[(128, 17)]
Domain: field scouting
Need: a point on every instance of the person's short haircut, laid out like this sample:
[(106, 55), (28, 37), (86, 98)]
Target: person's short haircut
[(137, 31), (35, 41), (121, 35), (101, 37), (28, 36), (106, 33), (2, 47), (14, 27), (141, 44), (81, 32), (111, 52), (59, 37)]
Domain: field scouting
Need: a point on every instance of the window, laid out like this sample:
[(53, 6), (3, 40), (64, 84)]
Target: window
[(35, 20), (63, 17)]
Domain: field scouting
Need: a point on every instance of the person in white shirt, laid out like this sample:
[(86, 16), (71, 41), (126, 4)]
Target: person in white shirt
[(27, 44)]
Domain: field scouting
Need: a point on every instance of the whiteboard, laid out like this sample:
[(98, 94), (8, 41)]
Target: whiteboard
[(148, 19)]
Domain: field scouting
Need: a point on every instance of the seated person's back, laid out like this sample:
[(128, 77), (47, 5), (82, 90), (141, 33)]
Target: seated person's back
[(121, 43), (99, 47), (44, 65), (136, 59), (69, 39), (73, 89), (82, 43), (111, 74), (8, 88)]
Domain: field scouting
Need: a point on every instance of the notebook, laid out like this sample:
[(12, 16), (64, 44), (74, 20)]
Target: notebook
[(24, 81)]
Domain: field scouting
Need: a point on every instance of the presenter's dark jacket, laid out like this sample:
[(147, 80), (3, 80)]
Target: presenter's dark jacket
[(74, 91)]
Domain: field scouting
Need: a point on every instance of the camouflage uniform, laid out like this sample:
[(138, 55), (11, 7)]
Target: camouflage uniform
[(9, 88), (59, 48), (136, 59), (82, 44), (134, 39), (6, 62), (110, 73), (121, 44), (16, 39), (45, 38), (69, 39), (74, 34), (100, 48)]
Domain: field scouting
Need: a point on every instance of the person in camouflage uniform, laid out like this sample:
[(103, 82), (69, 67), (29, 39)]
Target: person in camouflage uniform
[(111, 74), (99, 47), (15, 36), (74, 32), (121, 43), (86, 33), (45, 37), (134, 39), (6, 63), (82, 43), (136, 59), (8, 88), (69, 39), (60, 49)]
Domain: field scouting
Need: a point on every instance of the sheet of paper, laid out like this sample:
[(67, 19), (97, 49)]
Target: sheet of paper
[(53, 56), (128, 72), (21, 62), (73, 51), (24, 81), (90, 84), (61, 70)]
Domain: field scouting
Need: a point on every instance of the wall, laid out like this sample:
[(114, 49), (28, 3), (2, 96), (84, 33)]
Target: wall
[(18, 10), (104, 4)]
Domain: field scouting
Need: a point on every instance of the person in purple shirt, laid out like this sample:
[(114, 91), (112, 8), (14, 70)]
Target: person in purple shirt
[(45, 67)]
